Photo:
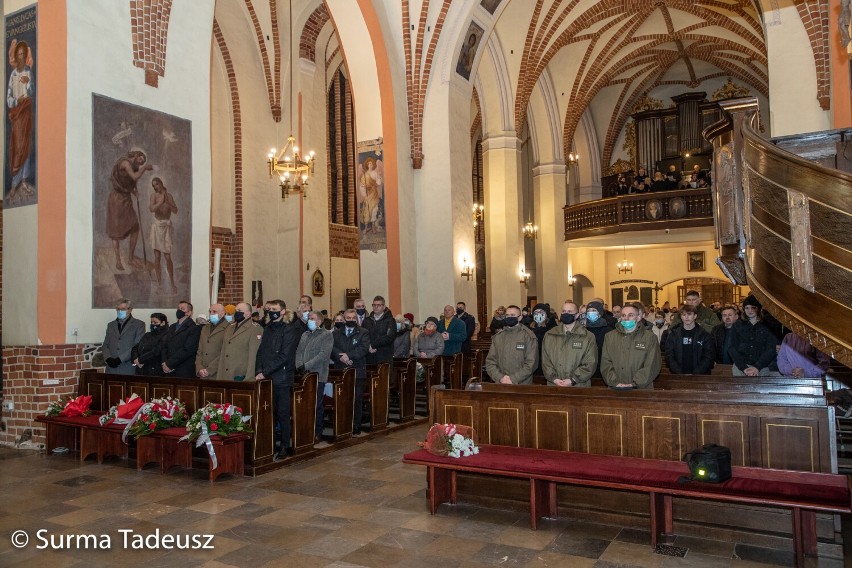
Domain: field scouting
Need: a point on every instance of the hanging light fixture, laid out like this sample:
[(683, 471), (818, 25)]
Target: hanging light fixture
[(530, 231), (293, 170), (625, 267), (478, 213)]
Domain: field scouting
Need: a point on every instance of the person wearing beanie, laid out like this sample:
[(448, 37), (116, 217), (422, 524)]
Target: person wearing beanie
[(598, 326), (514, 352), (429, 344), (753, 348)]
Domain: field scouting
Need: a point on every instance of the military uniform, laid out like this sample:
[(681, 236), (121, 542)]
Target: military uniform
[(514, 352), (630, 358), (210, 347), (239, 350), (569, 355)]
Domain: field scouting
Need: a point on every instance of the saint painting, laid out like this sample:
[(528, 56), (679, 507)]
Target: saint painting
[(371, 196), (468, 50)]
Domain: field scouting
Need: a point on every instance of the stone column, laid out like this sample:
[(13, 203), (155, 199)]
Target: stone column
[(551, 254)]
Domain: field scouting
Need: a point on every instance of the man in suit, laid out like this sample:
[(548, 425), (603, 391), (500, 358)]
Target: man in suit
[(469, 322), (122, 335), (181, 344), (350, 347), (382, 328), (239, 346), (276, 359), (210, 343)]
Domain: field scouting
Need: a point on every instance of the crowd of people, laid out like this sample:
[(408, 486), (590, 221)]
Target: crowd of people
[(644, 182), (623, 345)]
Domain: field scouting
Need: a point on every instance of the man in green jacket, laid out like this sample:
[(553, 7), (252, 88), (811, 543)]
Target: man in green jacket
[(631, 354), (513, 356), (569, 354), (707, 318)]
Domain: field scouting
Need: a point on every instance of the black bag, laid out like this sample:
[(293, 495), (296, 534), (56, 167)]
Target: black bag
[(710, 463)]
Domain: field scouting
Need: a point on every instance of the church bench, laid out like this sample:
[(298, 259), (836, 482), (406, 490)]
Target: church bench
[(452, 369), (166, 448), (84, 434), (432, 372), (340, 406), (803, 494), (303, 413), (403, 386), (377, 396)]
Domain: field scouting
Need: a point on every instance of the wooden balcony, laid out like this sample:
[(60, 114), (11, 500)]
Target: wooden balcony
[(639, 212)]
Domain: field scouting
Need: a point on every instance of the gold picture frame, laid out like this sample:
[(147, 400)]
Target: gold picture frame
[(695, 261)]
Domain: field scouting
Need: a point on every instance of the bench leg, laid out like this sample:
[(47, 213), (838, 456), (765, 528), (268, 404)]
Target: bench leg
[(89, 444), (442, 487), (661, 517), (542, 500), (804, 535)]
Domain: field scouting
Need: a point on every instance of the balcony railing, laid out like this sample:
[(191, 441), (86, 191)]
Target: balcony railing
[(639, 212)]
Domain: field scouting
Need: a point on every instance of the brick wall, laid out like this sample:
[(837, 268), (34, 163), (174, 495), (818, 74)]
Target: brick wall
[(308, 40), (25, 370), (343, 241), (232, 292)]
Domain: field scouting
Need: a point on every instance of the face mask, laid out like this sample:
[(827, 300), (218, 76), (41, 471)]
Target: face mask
[(629, 325), (305, 316), (510, 321), (312, 325), (660, 322), (229, 318), (180, 314), (593, 316), (539, 318), (155, 327), (398, 326), (459, 311), (361, 311), (339, 325), (122, 314), (567, 319), (351, 324), (239, 316), (273, 316), (214, 318)]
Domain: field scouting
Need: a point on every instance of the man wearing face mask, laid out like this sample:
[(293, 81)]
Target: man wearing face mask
[(276, 359), (146, 354), (469, 323), (181, 344), (598, 326), (122, 334), (239, 345), (631, 354), (514, 352), (306, 304), (350, 347), (402, 342), (313, 354), (382, 329), (569, 355), (210, 343), (541, 323)]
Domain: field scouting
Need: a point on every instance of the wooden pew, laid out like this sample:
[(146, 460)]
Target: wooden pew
[(254, 397), (403, 386), (432, 374), (780, 431), (452, 368), (341, 406), (377, 396), (303, 405)]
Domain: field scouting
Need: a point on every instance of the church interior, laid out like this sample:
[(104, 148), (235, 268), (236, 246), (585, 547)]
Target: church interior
[(428, 152)]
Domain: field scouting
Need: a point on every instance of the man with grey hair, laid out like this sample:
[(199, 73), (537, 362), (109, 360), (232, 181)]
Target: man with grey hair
[(122, 335), (239, 346), (210, 343), (313, 355)]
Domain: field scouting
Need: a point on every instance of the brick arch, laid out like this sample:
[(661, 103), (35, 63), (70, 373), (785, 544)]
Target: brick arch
[(477, 120), (272, 81), (233, 291), (310, 32), (149, 30), (814, 15)]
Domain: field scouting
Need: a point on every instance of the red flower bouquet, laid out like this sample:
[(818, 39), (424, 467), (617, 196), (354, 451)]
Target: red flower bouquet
[(158, 414), (123, 412), (70, 407), (450, 440)]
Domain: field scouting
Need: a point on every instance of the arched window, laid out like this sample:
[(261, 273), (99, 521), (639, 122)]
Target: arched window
[(342, 208)]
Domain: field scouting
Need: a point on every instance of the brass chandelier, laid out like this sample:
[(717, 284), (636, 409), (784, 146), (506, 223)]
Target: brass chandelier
[(293, 170)]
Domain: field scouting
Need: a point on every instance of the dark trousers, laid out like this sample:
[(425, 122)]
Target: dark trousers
[(282, 388), (360, 385), (320, 396)]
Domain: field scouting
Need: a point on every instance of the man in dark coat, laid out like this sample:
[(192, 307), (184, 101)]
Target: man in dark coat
[(469, 322), (382, 328), (723, 335), (350, 349), (690, 349), (181, 344), (276, 359), (754, 346), (598, 326)]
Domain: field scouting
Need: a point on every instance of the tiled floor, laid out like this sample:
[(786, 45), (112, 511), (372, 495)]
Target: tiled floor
[(356, 507)]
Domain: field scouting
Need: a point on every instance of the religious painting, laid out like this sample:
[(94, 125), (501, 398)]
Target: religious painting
[(371, 196), (318, 283), (695, 261), (490, 5), (141, 205), (257, 293), (653, 209), (468, 50), (677, 207), (21, 186)]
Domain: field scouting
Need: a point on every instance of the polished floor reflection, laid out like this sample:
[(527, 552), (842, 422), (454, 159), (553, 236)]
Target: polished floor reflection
[(356, 507)]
